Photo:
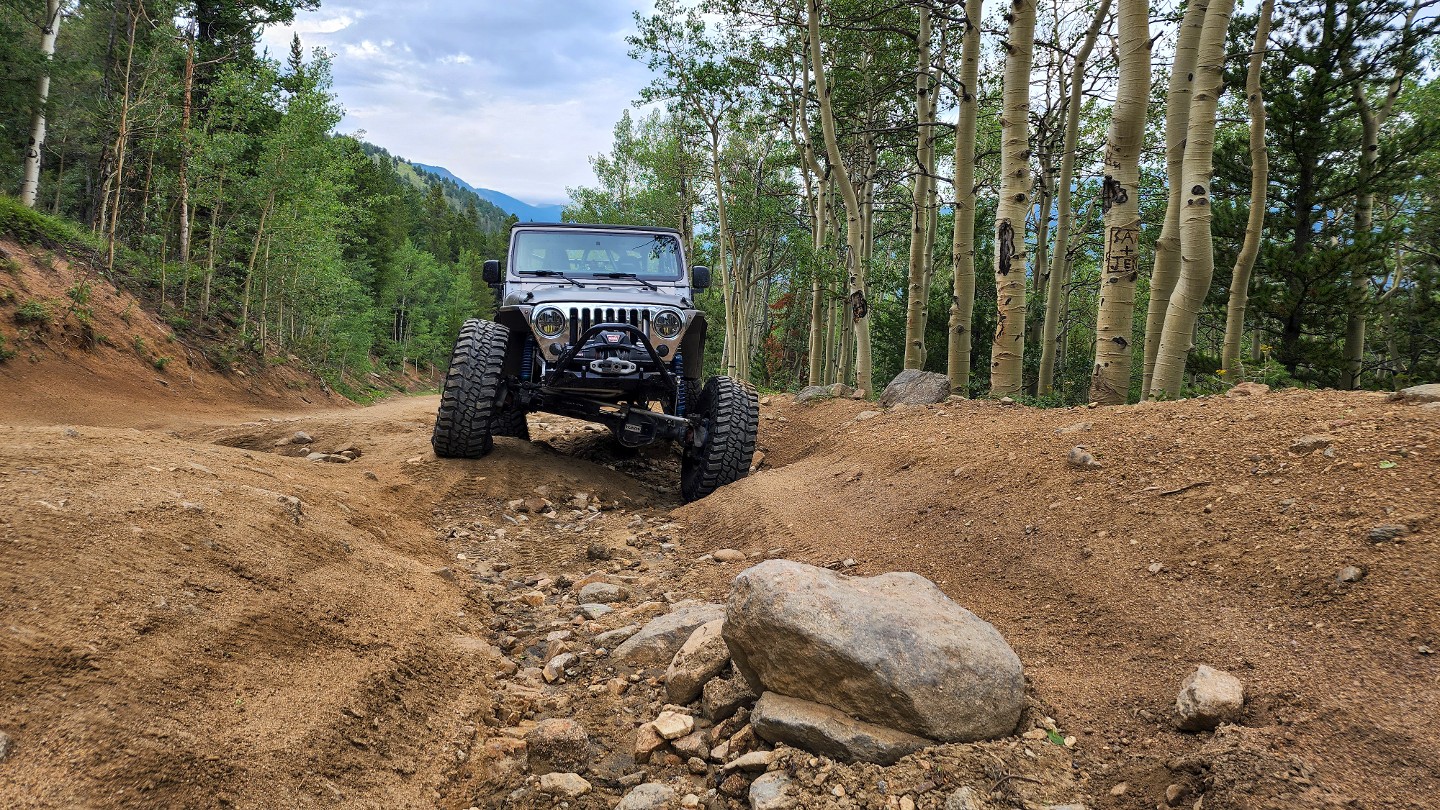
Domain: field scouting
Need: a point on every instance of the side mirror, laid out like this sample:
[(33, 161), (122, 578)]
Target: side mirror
[(699, 276), (490, 271)]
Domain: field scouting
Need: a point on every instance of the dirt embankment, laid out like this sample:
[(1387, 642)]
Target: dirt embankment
[(194, 615)]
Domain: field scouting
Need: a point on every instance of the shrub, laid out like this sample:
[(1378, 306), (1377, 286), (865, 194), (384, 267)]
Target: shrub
[(5, 352), (34, 313), (160, 363)]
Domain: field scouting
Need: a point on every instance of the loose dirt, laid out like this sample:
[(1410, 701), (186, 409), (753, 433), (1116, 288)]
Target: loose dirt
[(193, 615)]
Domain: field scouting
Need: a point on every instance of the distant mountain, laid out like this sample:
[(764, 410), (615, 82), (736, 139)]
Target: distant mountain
[(491, 218), (524, 211)]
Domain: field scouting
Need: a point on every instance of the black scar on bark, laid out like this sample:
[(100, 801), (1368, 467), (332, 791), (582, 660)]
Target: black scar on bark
[(1111, 194), (1121, 342), (1006, 247)]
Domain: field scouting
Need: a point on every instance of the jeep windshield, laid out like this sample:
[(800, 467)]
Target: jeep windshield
[(643, 257)]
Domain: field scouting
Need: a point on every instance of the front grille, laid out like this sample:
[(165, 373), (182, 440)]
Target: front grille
[(582, 318)]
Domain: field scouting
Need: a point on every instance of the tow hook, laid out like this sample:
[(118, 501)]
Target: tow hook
[(611, 365)]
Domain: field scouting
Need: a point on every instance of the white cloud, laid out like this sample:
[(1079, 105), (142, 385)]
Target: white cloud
[(508, 95)]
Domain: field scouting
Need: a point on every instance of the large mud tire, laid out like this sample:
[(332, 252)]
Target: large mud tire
[(511, 422), (464, 427), (729, 417)]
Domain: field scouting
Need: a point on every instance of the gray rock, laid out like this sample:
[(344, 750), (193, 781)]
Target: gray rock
[(1081, 459), (1078, 427), (1387, 532), (1310, 443), (915, 387), (726, 555), (301, 437), (891, 649), (603, 593), (1248, 389), (649, 796), (700, 658), (829, 732), (771, 791), (1421, 393), (839, 390), (866, 415), (811, 393), (658, 641), (616, 636), (1208, 698), (1350, 573), (5, 743), (564, 785), (595, 611), (722, 696), (557, 745)]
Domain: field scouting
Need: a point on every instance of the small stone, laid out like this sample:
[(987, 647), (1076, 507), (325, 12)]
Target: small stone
[(697, 766), (1078, 427), (1387, 532), (1156, 568), (753, 761), (557, 744), (657, 642), (823, 730), (603, 593), (1081, 459), (647, 742), (5, 743), (1309, 444), (1119, 789), (1350, 573), (564, 785), (595, 611), (722, 696), (866, 415), (673, 725), (965, 798), (1175, 793), (612, 637), (599, 551), (771, 791), (692, 745), (728, 555), (446, 574), (1208, 698), (555, 668), (301, 437), (701, 658), (649, 796), (1247, 389), (690, 800)]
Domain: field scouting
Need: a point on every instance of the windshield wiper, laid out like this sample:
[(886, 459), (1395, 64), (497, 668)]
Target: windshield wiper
[(628, 275), (556, 273)]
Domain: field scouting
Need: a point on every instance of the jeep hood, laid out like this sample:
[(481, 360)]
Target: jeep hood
[(613, 295)]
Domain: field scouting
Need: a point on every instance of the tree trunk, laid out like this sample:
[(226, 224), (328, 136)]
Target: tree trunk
[(1259, 177), (962, 246), (122, 139), (1120, 195), (30, 186), (1007, 351), (1177, 120), (185, 154), (1060, 256), (857, 305), (918, 294), (732, 328), (1197, 256), (1353, 353)]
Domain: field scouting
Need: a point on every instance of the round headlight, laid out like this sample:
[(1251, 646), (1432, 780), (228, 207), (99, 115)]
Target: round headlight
[(668, 323), (549, 322)]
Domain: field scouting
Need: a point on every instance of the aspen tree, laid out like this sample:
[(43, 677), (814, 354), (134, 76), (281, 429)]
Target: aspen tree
[(962, 247), (1007, 350)]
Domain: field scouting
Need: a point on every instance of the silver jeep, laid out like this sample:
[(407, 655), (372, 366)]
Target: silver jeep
[(598, 322)]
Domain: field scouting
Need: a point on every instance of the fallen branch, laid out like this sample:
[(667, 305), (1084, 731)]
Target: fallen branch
[(1178, 490)]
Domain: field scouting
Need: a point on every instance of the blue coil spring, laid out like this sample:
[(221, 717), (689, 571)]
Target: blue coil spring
[(527, 359), (677, 367)]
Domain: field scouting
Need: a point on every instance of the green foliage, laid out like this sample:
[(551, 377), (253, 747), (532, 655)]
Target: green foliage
[(160, 362), (34, 313), (6, 352)]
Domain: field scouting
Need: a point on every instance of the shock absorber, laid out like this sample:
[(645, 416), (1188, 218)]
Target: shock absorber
[(527, 359), (677, 368)]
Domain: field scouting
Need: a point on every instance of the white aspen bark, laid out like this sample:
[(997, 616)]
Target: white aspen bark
[(1177, 120), (30, 185), (185, 154), (1059, 257), (962, 245), (1197, 256), (1115, 331), (1255, 223), (917, 295), (853, 232), (1007, 350)]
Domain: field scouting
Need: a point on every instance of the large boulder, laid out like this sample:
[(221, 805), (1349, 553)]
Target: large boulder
[(830, 732), (891, 650), (811, 393), (657, 642), (915, 387), (1421, 393)]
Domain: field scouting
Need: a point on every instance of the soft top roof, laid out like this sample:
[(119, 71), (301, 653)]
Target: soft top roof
[(586, 227)]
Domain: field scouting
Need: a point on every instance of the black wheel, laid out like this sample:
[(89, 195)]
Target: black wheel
[(511, 422), (468, 403), (728, 416)]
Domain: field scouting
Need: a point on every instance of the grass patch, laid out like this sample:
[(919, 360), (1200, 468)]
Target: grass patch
[(30, 227), (34, 313), (5, 351), (160, 363)]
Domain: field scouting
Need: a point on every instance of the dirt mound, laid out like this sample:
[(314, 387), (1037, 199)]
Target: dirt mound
[(81, 351), (1210, 533)]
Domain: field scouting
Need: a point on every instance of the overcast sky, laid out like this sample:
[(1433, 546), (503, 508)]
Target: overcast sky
[(513, 95)]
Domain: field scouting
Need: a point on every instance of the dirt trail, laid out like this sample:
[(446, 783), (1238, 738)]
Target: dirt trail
[(193, 618)]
